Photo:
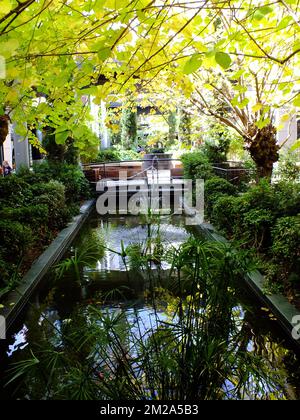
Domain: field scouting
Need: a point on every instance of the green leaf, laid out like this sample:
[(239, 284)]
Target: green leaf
[(263, 122), (296, 101), (244, 103), (9, 47), (265, 10), (238, 74), (208, 86), (240, 104), (61, 137), (211, 53), (193, 64), (235, 101), (90, 91), (261, 12), (241, 88), (284, 22), (295, 146), (6, 6), (61, 128), (21, 129), (104, 53), (285, 118), (223, 60), (79, 131), (257, 107)]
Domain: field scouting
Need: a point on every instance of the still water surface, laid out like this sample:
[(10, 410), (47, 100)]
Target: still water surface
[(108, 285)]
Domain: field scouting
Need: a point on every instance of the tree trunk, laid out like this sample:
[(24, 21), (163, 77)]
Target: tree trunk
[(264, 149), (4, 128)]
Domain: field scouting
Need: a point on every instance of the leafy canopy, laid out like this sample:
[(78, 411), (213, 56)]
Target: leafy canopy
[(64, 50)]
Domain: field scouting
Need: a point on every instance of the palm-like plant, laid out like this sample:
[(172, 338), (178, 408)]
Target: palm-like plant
[(193, 349), (91, 250)]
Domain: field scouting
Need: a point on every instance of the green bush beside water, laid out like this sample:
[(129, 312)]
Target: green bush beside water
[(215, 188), (285, 251), (196, 165), (267, 219), (34, 206), (71, 176), (263, 217)]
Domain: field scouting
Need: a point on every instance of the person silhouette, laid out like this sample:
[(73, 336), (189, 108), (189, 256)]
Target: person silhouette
[(6, 168)]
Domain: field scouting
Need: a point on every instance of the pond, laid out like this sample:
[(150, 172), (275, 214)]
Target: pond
[(110, 293)]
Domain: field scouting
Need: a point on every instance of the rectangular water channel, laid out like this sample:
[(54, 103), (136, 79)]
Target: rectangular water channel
[(108, 291)]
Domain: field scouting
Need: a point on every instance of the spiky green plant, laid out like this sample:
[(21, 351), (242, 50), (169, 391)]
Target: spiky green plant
[(191, 347), (91, 250)]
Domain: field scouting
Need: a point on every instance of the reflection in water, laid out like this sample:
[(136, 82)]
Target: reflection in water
[(20, 341), (170, 235), (107, 285)]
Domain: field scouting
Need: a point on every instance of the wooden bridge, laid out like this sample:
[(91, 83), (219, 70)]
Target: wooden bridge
[(136, 175)]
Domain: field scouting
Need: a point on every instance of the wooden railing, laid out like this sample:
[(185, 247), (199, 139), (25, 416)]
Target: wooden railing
[(132, 169)]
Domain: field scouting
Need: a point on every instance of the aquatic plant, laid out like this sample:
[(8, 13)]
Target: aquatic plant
[(191, 346), (90, 251)]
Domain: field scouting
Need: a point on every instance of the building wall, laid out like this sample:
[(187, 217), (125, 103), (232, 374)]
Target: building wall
[(21, 150), (289, 133), (104, 133), (8, 148)]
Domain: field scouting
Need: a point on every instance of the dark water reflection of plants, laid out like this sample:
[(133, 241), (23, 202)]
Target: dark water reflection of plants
[(145, 309)]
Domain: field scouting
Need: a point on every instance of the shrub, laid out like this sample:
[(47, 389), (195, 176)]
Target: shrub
[(286, 239), (76, 185), (261, 196), (108, 155), (285, 250), (4, 270), (255, 228), (288, 170), (214, 188), (30, 176), (250, 166), (33, 216), (233, 216), (33, 207), (265, 218), (14, 191), (217, 185), (218, 138), (223, 214), (196, 166), (9, 276), (129, 155), (286, 198), (250, 217), (117, 153), (216, 152), (71, 176), (283, 199), (52, 195), (15, 239)]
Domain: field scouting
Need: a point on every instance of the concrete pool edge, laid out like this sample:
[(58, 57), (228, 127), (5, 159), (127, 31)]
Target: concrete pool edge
[(17, 299), (278, 304)]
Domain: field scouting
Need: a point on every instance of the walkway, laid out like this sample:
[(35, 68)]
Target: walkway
[(161, 179)]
